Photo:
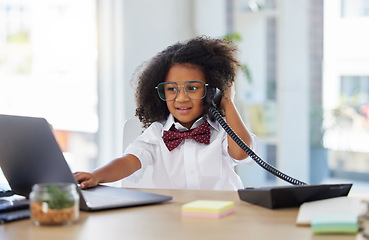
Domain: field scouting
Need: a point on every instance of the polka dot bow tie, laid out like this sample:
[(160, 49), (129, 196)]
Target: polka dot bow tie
[(173, 137)]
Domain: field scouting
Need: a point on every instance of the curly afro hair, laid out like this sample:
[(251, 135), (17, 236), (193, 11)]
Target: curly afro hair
[(215, 57)]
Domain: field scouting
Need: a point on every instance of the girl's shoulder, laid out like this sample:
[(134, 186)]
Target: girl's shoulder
[(154, 130)]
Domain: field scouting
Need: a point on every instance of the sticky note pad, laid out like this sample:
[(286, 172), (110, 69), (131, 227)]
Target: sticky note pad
[(208, 208), (334, 223)]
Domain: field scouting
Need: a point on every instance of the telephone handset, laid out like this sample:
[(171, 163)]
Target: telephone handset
[(213, 97)]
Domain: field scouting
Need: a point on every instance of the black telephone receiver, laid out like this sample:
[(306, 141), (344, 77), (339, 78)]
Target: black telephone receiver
[(213, 97)]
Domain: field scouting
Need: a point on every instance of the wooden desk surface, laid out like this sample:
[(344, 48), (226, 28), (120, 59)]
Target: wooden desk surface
[(164, 221)]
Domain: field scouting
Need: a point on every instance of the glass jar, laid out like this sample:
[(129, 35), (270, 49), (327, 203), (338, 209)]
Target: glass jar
[(54, 203)]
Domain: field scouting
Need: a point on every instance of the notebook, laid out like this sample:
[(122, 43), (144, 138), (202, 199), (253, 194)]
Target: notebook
[(340, 206), (30, 154)]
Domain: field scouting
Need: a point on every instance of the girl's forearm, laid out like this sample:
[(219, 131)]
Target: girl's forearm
[(234, 120), (117, 169)]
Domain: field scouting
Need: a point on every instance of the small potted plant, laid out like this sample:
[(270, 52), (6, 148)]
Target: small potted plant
[(53, 204)]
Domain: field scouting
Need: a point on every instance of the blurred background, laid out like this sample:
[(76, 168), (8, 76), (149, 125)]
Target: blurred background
[(305, 93)]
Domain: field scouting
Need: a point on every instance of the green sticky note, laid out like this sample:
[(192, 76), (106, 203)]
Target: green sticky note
[(339, 223)]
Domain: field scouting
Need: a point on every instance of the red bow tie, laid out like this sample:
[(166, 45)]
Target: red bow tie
[(173, 137)]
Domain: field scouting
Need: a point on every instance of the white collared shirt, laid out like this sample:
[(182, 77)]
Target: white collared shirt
[(191, 165)]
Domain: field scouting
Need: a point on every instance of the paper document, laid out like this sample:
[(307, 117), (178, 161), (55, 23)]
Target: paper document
[(340, 205)]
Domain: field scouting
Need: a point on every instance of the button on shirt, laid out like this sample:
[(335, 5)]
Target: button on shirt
[(191, 165)]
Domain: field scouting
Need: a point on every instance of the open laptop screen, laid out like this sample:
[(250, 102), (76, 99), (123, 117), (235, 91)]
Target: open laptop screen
[(29, 154)]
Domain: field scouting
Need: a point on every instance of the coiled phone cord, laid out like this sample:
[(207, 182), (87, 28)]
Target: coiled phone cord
[(251, 153)]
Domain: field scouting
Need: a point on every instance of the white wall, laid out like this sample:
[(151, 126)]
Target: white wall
[(149, 27), (293, 88)]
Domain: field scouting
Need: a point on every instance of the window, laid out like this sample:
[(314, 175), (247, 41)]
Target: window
[(346, 91), (48, 57), (348, 129), (354, 8)]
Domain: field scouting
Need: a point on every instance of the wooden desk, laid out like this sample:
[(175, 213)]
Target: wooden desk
[(164, 221)]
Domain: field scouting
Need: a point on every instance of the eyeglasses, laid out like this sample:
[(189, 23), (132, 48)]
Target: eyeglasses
[(195, 89)]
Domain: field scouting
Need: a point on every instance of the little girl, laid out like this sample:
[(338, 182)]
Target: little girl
[(183, 144)]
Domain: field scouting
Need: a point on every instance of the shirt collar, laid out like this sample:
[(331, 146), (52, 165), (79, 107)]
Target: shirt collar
[(214, 124), (170, 121)]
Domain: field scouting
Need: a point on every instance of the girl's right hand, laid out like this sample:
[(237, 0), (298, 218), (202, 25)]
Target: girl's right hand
[(86, 179)]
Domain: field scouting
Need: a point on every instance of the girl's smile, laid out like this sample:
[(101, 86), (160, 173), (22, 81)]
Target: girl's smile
[(183, 110)]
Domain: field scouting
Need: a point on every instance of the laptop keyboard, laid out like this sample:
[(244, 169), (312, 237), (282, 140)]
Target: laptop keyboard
[(5, 190), (98, 198)]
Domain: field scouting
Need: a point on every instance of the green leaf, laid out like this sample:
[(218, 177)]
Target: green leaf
[(58, 199), (233, 37)]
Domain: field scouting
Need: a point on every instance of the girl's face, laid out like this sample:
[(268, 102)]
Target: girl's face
[(185, 109)]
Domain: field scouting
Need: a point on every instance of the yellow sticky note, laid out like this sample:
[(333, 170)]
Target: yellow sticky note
[(208, 206)]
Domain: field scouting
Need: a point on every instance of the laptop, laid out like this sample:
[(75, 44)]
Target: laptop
[(30, 154)]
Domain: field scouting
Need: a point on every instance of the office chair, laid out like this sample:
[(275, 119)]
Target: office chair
[(131, 130)]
